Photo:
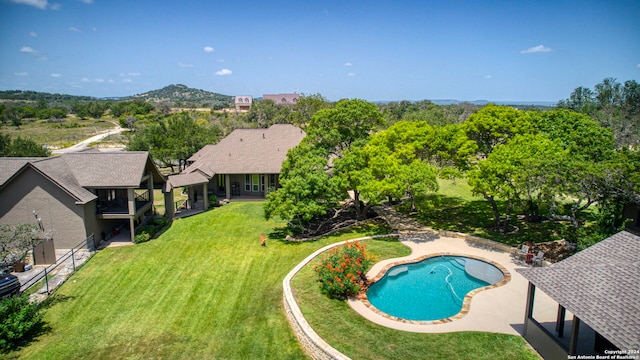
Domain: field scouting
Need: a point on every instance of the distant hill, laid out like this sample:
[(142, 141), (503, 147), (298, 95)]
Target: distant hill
[(179, 93), (27, 95)]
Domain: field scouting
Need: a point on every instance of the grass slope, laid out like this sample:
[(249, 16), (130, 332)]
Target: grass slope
[(205, 289), (455, 208)]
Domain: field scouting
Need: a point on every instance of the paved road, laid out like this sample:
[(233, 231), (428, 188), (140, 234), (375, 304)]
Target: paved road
[(84, 144)]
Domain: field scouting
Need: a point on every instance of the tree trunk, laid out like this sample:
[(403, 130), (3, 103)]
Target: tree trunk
[(496, 212), (506, 218)]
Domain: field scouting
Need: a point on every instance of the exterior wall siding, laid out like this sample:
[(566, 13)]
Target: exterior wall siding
[(57, 209)]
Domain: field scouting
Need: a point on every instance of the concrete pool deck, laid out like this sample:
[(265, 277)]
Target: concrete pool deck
[(499, 310)]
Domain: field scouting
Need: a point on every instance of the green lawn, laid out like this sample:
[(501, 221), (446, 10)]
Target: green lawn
[(455, 208), (206, 289)]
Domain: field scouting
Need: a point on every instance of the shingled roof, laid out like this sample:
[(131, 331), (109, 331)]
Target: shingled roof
[(600, 286), (10, 166), (75, 173), (248, 151)]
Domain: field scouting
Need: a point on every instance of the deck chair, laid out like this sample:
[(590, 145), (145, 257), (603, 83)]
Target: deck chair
[(538, 258), (523, 251)]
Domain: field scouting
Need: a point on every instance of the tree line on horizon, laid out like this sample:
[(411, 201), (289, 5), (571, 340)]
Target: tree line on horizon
[(558, 161)]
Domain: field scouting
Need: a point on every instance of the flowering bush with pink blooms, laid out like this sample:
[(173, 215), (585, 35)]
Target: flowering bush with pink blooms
[(341, 273)]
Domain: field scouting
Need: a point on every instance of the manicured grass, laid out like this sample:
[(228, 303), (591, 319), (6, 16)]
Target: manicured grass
[(359, 338), (205, 289), (455, 208)]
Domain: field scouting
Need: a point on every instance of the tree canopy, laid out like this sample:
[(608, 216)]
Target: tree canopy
[(175, 138)]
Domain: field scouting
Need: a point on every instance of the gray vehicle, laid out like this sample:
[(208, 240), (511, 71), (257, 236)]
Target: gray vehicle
[(9, 285)]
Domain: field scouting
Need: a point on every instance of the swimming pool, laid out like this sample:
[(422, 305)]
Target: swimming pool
[(431, 289)]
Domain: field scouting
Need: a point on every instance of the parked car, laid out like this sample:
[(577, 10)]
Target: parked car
[(9, 285)]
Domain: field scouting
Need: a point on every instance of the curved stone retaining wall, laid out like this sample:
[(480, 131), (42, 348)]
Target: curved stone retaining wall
[(311, 342)]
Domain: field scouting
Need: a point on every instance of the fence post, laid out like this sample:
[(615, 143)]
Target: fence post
[(46, 279), (73, 260)]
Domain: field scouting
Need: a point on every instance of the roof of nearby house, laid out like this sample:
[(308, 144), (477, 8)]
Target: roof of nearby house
[(248, 151), (290, 99), (75, 173), (10, 166), (188, 179), (600, 286)]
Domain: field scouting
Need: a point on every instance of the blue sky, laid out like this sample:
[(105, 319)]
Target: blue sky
[(373, 50)]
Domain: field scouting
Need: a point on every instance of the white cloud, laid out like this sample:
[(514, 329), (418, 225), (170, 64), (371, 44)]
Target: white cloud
[(99, 80), (223, 72), (21, 74), (134, 74), (56, 75), (27, 49), (351, 74), (181, 64), (110, 81), (87, 1), (40, 4), (209, 49), (220, 60), (488, 76), (33, 34), (536, 49), (84, 79), (74, 29), (55, 6), (638, 66), (127, 80), (348, 64)]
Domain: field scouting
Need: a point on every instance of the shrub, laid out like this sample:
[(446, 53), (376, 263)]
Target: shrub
[(19, 320), (142, 237), (149, 229), (342, 272), (159, 223)]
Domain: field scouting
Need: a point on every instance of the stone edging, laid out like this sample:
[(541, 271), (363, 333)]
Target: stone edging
[(311, 342), (466, 304)]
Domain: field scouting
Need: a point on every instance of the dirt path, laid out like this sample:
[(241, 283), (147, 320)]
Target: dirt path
[(84, 144)]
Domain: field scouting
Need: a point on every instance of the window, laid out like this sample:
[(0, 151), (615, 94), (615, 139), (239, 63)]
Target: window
[(262, 182), (272, 180), (220, 182), (256, 182), (247, 182)]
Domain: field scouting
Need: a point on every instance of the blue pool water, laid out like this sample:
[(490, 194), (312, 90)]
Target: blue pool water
[(431, 289)]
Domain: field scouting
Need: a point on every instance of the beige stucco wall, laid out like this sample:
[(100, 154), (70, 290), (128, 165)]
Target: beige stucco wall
[(60, 215)]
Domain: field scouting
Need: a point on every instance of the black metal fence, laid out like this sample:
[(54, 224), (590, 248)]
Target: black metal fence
[(56, 274)]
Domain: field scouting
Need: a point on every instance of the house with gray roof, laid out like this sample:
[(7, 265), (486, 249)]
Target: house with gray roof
[(245, 164), (79, 194), (598, 287)]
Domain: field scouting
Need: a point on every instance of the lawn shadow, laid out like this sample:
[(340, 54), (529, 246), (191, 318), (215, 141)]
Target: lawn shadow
[(476, 217)]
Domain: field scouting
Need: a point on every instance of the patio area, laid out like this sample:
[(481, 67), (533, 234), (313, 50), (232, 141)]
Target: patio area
[(499, 310)]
